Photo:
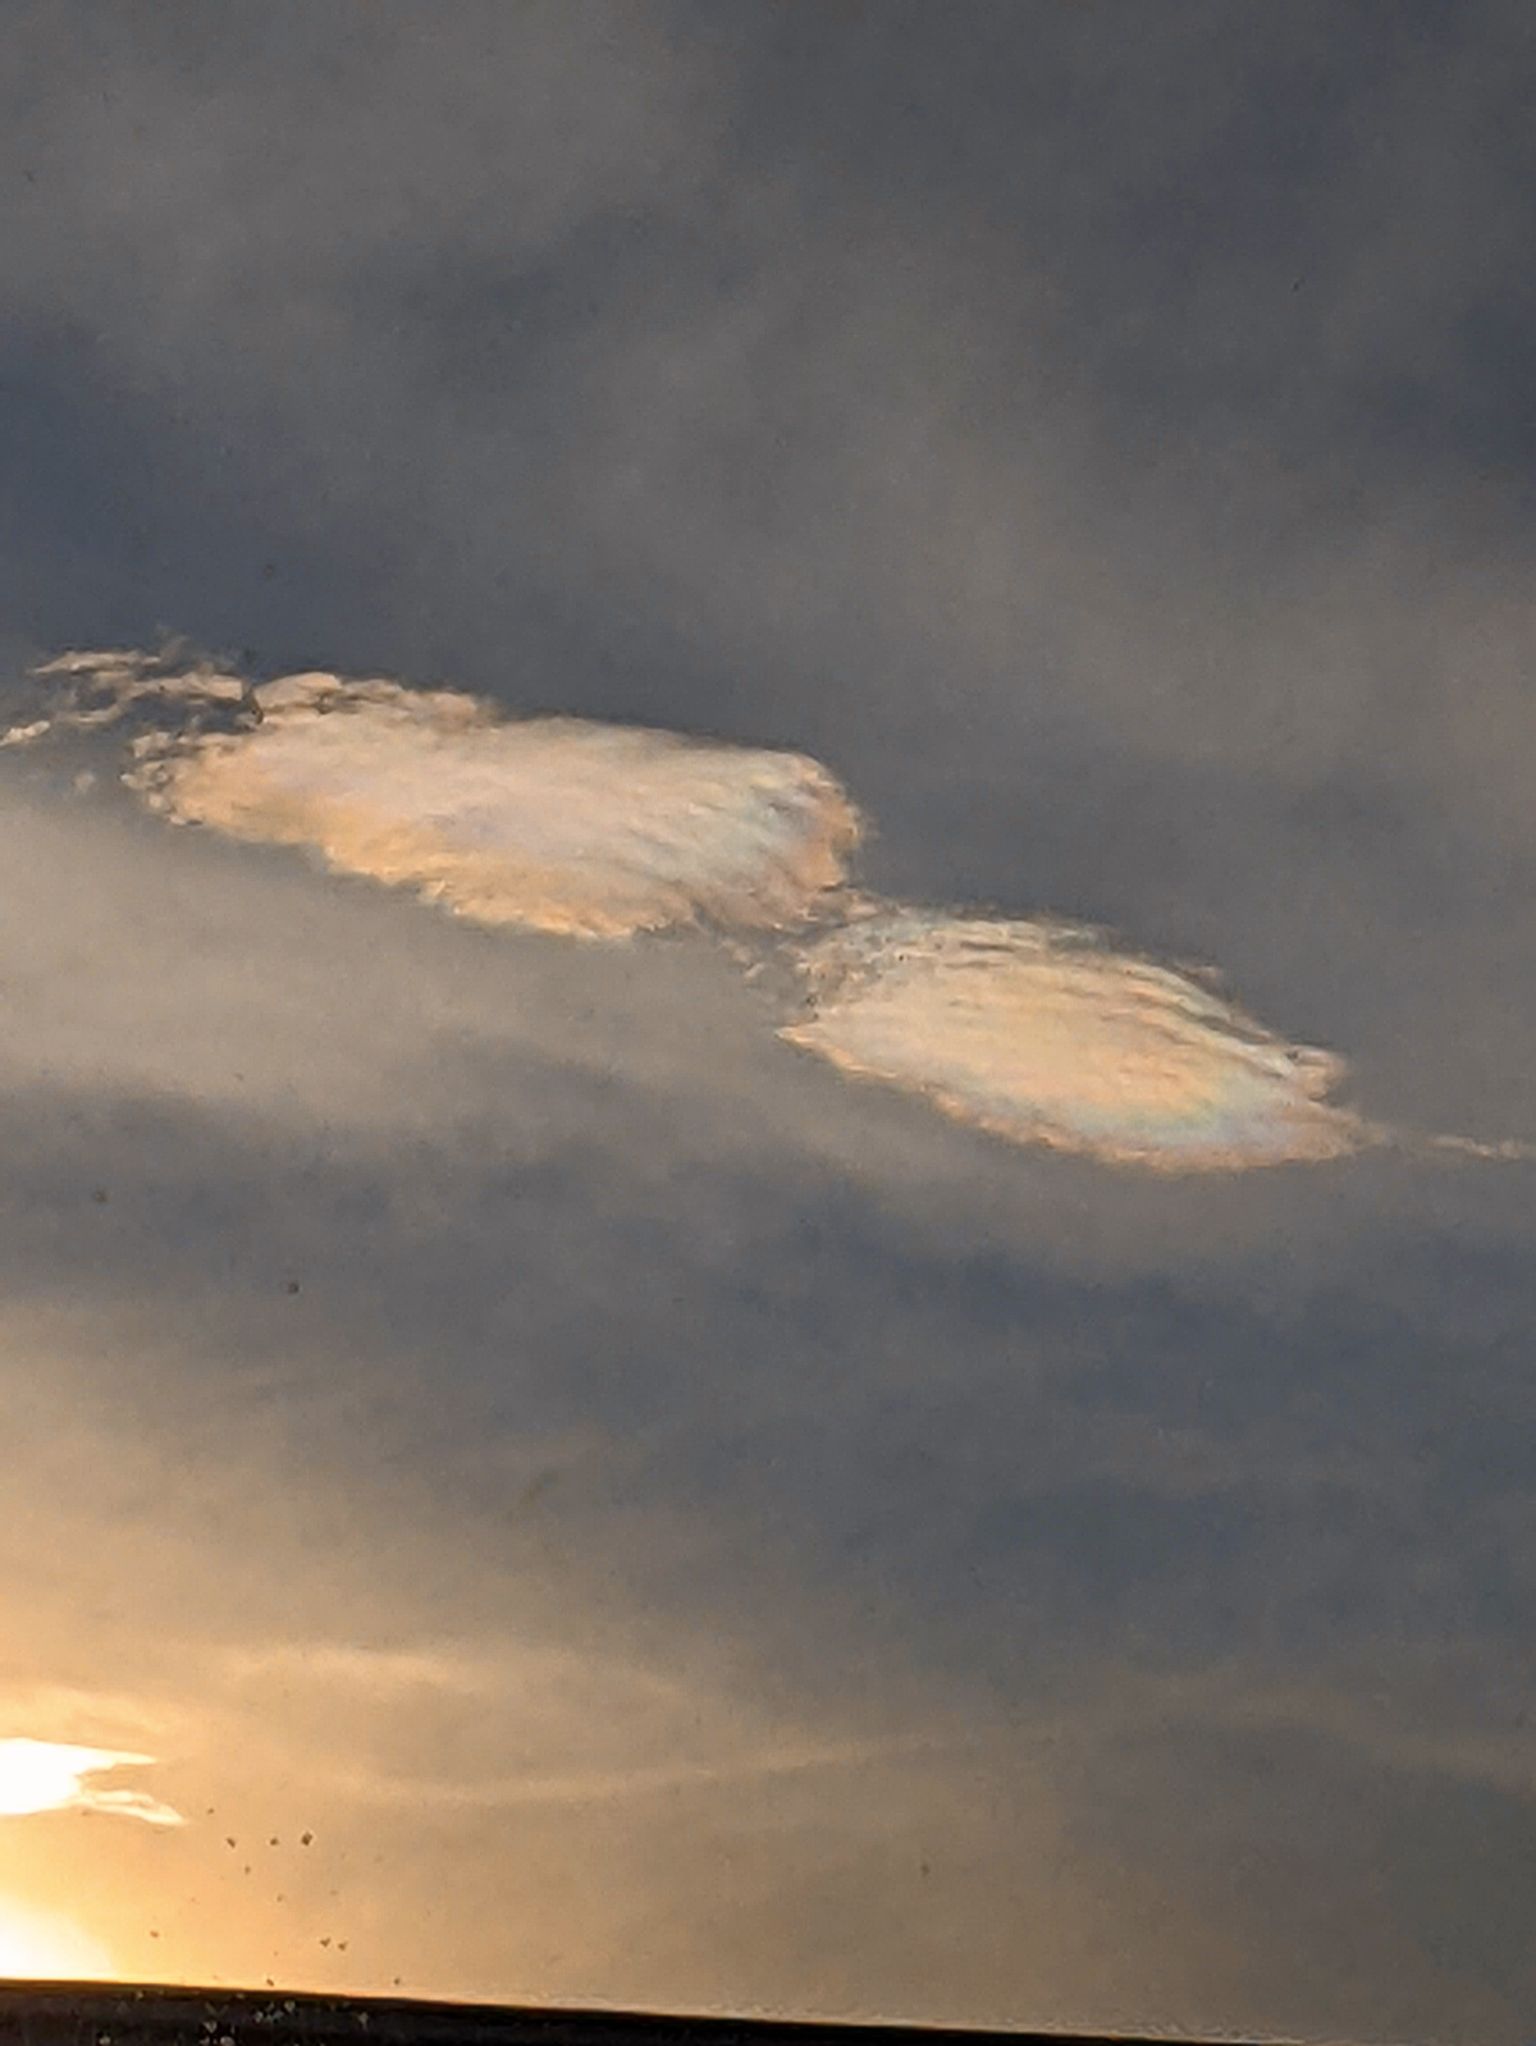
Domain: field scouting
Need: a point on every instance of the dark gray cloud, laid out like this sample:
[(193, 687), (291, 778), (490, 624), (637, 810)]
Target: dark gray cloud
[(1102, 440)]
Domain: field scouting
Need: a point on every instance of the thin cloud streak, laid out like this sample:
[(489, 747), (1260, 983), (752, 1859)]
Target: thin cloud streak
[(53, 1776), (608, 1786)]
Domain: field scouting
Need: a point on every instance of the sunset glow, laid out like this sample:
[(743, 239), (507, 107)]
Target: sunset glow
[(41, 1946), (50, 1776)]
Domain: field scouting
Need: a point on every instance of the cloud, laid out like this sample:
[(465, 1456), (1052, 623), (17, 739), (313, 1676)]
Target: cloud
[(51, 1776), (553, 823), (1036, 1031), (994, 457), (602, 1786), (1043, 1033), (882, 1439), (101, 688)]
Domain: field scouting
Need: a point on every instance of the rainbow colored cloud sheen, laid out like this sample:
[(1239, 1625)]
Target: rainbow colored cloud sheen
[(1040, 1032)]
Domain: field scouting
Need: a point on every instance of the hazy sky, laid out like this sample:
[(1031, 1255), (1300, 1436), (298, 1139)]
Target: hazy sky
[(672, 1522)]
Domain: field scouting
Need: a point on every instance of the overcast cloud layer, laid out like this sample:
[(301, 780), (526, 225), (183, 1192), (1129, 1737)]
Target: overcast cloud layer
[(490, 1404)]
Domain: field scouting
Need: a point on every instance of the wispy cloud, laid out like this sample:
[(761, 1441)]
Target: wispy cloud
[(53, 1776), (605, 1786), (100, 688)]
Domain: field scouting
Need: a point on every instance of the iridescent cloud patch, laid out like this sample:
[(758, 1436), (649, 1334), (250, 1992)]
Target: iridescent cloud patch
[(1040, 1032)]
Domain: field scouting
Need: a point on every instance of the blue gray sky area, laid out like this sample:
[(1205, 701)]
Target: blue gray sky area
[(670, 1523)]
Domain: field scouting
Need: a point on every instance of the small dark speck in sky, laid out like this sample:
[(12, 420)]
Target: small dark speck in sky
[(533, 1492)]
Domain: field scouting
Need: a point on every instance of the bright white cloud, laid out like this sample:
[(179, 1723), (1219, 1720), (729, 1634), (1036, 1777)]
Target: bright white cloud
[(1043, 1033), (53, 1776)]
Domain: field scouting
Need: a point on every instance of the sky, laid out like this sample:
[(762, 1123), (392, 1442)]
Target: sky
[(570, 1416)]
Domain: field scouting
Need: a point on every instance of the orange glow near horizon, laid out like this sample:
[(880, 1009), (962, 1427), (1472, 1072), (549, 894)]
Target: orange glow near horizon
[(43, 1946), (47, 1776)]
